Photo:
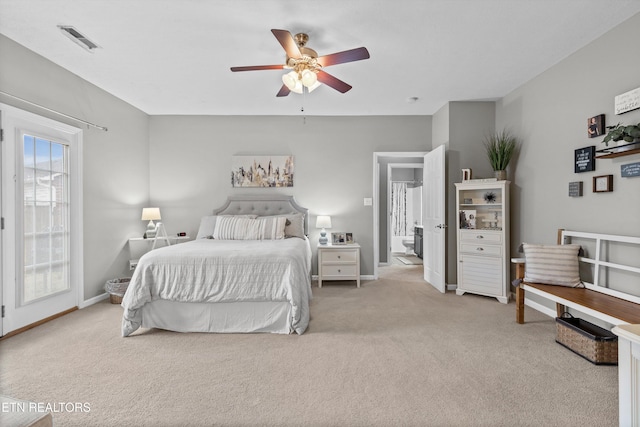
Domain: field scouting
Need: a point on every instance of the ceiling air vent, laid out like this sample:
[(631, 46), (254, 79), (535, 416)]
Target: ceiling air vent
[(78, 37)]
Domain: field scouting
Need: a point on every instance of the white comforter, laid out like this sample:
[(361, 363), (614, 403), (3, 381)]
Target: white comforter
[(208, 270)]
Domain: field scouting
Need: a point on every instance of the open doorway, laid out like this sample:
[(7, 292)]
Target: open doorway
[(404, 210), (381, 191)]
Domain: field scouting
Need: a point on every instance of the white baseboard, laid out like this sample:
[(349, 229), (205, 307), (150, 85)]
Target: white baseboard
[(93, 300), (541, 308), (451, 286)]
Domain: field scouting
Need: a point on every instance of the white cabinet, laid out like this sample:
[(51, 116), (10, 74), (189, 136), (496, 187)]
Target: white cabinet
[(482, 228), (339, 262)]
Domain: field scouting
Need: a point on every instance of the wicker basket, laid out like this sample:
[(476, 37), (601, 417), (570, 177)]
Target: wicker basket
[(597, 345), (116, 289)]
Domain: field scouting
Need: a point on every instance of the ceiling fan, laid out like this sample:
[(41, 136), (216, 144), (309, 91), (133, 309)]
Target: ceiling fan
[(306, 66)]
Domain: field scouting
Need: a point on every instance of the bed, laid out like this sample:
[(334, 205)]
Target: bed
[(248, 270)]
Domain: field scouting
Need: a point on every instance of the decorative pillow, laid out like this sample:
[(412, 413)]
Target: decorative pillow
[(234, 227), (552, 264), (242, 227), (207, 225), (271, 228), (294, 226)]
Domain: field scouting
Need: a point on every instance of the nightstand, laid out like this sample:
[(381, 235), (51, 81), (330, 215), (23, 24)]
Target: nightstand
[(168, 241), (339, 262)]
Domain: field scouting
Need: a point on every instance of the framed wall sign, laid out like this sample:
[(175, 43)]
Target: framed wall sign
[(630, 170), (627, 101), (602, 184), (575, 189), (585, 159)]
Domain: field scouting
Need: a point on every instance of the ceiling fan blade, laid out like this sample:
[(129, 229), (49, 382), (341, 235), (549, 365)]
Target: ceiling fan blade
[(335, 83), (345, 56), (284, 91), (288, 43), (258, 67)]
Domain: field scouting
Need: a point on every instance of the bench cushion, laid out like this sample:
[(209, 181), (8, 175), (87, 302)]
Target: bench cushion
[(552, 264)]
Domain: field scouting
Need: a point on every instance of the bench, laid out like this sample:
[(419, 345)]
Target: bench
[(599, 299)]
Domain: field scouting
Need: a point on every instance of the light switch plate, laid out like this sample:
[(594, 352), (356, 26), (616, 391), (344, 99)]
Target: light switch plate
[(368, 201)]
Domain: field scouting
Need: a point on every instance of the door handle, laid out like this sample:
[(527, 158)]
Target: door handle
[(441, 226)]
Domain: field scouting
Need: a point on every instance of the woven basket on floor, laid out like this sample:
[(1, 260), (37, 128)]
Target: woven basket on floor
[(116, 289), (596, 344)]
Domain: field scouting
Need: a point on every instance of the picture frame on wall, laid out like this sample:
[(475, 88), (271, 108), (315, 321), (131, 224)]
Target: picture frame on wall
[(262, 171), (584, 159), (339, 238), (603, 183), (595, 126)]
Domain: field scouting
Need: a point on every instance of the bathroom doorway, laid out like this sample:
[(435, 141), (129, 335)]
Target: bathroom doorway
[(404, 209)]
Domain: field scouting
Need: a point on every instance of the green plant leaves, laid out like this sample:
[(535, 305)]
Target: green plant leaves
[(619, 132), (500, 148)]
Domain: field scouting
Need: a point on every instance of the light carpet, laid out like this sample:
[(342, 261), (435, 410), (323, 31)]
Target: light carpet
[(395, 352)]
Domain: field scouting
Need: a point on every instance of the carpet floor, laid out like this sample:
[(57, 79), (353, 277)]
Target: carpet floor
[(393, 353)]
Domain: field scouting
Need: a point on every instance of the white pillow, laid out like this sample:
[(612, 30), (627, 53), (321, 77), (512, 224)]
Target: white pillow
[(294, 226), (207, 225), (239, 227), (234, 227), (271, 227), (552, 264)]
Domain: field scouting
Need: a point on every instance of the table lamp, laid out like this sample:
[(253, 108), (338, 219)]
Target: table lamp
[(323, 221), (150, 214)]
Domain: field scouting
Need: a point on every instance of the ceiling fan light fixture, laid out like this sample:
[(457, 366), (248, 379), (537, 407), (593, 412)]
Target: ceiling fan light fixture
[(292, 82), (290, 79), (315, 86), (309, 78)]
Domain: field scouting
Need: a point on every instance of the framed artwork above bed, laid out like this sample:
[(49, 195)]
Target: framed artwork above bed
[(262, 171)]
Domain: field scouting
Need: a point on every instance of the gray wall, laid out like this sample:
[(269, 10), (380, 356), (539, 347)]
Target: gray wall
[(549, 114), (181, 163), (190, 165), (116, 166), (462, 127)]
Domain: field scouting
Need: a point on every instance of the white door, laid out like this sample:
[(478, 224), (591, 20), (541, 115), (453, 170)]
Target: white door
[(433, 220), (40, 253)]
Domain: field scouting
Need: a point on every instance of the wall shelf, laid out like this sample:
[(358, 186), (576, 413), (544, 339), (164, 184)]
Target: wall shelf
[(620, 150)]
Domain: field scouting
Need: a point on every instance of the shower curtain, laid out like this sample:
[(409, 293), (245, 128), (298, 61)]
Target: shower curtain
[(399, 208)]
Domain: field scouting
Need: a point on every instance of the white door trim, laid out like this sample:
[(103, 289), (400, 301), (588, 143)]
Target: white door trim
[(15, 120)]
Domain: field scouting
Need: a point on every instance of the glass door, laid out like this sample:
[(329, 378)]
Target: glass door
[(42, 211), (45, 219)]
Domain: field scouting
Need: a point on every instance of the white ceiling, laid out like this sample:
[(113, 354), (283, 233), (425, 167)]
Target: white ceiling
[(173, 56)]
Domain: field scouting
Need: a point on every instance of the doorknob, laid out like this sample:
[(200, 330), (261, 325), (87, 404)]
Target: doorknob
[(441, 226)]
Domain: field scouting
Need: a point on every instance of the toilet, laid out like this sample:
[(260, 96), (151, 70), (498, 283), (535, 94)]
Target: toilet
[(408, 242)]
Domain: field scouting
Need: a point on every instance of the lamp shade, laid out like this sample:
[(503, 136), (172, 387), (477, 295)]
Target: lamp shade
[(309, 78), (323, 221), (150, 214)]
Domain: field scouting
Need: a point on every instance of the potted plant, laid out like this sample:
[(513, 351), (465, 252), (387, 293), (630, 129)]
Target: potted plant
[(500, 148), (620, 132)]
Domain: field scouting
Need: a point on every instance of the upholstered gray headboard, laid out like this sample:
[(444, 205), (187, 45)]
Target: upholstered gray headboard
[(263, 205)]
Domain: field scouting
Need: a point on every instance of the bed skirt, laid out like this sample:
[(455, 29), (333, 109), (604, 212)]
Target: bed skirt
[(224, 317)]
